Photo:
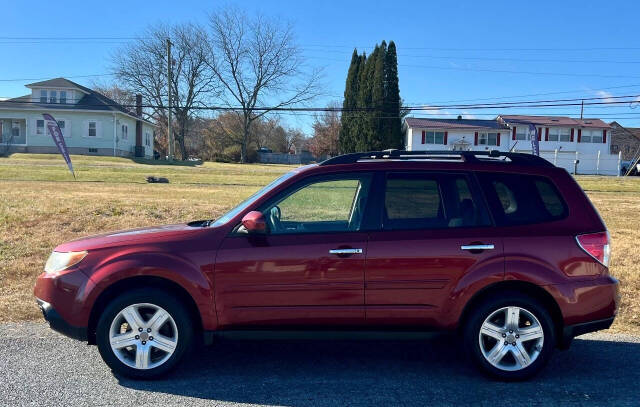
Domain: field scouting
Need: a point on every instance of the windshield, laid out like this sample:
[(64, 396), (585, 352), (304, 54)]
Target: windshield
[(244, 204)]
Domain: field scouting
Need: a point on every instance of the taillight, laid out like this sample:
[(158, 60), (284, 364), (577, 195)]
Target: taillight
[(597, 245)]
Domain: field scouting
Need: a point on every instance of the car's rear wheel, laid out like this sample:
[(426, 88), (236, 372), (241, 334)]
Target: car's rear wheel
[(510, 337), (144, 333)]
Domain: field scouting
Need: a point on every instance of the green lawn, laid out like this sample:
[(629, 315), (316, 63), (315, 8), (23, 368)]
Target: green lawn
[(41, 206)]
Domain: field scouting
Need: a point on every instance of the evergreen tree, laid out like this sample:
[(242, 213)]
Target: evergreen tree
[(376, 115), (346, 138), (363, 131), (371, 119), (394, 138)]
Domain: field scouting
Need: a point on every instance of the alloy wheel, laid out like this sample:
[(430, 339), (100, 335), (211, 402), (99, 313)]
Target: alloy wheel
[(143, 336), (511, 338)]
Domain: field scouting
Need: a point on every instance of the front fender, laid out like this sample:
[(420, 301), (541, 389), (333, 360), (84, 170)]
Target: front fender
[(160, 264)]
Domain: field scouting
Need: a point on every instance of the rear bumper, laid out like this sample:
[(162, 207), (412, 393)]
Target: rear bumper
[(57, 323), (571, 331), (587, 306)]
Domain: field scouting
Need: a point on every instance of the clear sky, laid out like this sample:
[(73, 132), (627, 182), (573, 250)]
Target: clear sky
[(472, 51)]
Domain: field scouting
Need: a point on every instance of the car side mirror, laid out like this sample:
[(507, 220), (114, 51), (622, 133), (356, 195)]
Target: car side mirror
[(254, 222)]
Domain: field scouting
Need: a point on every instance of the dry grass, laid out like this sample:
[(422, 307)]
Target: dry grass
[(41, 207)]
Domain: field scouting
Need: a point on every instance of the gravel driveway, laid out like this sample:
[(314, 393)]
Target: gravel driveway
[(40, 367)]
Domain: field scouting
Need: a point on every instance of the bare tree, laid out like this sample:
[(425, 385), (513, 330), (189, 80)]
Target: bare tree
[(142, 68), (258, 63), (326, 129), (116, 93)]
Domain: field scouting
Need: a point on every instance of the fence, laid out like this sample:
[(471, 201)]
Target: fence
[(599, 163), (283, 158)]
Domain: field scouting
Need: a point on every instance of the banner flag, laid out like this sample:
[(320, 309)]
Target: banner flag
[(56, 135), (535, 144)]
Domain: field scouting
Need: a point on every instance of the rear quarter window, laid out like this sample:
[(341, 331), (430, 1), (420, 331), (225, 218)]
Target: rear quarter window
[(517, 199)]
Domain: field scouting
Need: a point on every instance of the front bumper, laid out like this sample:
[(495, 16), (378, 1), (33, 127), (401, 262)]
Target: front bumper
[(57, 323)]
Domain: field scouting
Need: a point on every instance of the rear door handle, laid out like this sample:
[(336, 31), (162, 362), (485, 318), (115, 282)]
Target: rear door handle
[(477, 247), (345, 251)]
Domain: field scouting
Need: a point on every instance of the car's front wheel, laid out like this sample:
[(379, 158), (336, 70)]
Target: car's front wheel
[(510, 337), (144, 333)]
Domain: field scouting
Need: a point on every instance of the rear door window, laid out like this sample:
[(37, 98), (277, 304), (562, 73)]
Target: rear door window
[(430, 201), (517, 199)]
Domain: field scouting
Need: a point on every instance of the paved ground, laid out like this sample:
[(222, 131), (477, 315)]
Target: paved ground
[(40, 367)]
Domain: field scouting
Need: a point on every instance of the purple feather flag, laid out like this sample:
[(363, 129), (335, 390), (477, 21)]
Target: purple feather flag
[(533, 135), (56, 135)]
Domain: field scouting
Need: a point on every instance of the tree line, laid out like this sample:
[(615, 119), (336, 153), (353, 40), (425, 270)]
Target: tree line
[(248, 62)]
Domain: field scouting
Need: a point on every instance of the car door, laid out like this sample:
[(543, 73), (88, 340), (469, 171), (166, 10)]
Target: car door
[(308, 269), (435, 233)]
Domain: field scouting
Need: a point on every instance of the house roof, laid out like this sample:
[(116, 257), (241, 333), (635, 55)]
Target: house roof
[(57, 83), (458, 124), (91, 100), (554, 121), (634, 131)]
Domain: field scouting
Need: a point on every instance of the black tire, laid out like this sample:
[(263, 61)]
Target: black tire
[(157, 297), (473, 324)]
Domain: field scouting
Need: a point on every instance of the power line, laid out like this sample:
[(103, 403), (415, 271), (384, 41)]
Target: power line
[(467, 69), (530, 94), (54, 38), (550, 49), (504, 105), (528, 60), (43, 79)]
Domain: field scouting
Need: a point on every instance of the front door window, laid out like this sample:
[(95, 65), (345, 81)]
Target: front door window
[(330, 205)]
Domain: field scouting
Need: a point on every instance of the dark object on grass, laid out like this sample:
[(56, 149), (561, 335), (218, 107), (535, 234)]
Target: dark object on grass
[(157, 180)]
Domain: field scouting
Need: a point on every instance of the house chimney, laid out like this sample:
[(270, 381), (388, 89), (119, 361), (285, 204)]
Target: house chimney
[(139, 105), (139, 150)]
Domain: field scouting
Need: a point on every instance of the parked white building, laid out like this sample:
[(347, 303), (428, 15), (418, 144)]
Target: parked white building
[(90, 122), (562, 140)]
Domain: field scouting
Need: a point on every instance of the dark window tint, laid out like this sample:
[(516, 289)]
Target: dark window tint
[(522, 199), (430, 201)]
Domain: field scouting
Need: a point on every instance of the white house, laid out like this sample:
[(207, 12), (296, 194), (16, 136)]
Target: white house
[(455, 134), (90, 122), (562, 140)]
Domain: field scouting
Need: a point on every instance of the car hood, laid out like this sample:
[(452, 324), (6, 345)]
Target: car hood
[(155, 234)]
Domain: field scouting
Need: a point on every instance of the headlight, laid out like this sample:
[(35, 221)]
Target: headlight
[(59, 261)]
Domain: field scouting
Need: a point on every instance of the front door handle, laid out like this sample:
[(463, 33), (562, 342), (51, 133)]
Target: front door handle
[(477, 247), (345, 251)]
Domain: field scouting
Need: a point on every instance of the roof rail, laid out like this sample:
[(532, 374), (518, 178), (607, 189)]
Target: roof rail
[(466, 156)]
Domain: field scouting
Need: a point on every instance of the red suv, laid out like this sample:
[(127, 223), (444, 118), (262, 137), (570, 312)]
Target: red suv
[(503, 248)]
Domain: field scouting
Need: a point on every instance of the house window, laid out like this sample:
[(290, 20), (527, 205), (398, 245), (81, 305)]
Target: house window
[(488, 139), (92, 129), (53, 96), (43, 96), (39, 126), (125, 132), (433, 137), (147, 139), (93, 150), (15, 129), (61, 124), (522, 133), (591, 136), (559, 134), (63, 96)]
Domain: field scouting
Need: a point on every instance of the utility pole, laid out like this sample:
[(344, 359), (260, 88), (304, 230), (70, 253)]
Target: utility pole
[(169, 80), (581, 108)]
